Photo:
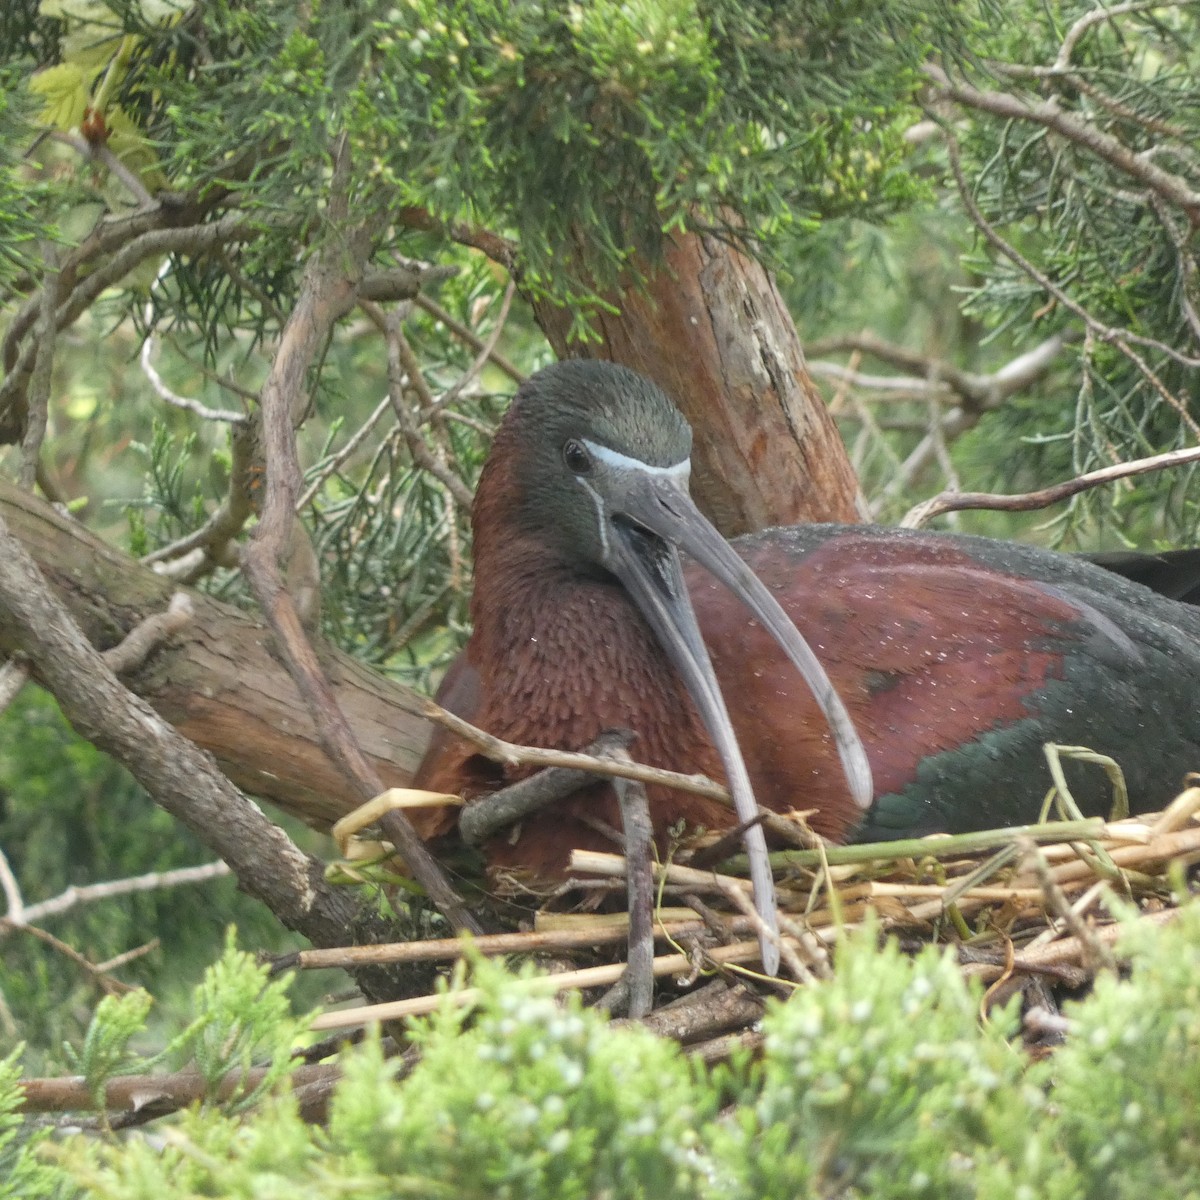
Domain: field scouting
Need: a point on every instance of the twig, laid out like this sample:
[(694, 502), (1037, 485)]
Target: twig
[(499, 249), (1095, 952), (352, 443), (510, 754), (15, 902), (485, 816), (468, 335), (787, 950), (613, 866), (709, 1010), (161, 1093), (37, 404), (145, 637), (636, 986), (453, 949), (1096, 17), (944, 502), (89, 893), (216, 534), (402, 365), (587, 977), (453, 392), (160, 387), (92, 970)]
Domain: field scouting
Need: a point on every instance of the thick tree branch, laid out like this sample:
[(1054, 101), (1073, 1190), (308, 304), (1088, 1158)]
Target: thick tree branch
[(216, 679), (181, 778), (328, 289)]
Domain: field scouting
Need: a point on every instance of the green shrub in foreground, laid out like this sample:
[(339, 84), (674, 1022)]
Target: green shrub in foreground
[(879, 1083)]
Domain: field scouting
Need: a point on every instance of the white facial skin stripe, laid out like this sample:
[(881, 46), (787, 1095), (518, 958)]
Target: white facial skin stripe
[(600, 517), (614, 458)]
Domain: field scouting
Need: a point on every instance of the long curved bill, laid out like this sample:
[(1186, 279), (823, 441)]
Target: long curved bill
[(654, 518)]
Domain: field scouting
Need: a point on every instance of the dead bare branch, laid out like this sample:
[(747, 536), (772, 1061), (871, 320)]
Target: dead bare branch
[(933, 376), (89, 893), (921, 514), (327, 292)]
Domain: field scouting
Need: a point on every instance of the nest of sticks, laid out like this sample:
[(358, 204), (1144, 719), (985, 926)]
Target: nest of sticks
[(1036, 909)]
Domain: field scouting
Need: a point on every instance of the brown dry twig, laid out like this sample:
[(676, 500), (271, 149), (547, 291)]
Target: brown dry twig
[(327, 292), (951, 501)]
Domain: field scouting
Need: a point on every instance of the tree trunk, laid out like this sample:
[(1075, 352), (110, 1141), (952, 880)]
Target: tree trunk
[(712, 330), (216, 681)]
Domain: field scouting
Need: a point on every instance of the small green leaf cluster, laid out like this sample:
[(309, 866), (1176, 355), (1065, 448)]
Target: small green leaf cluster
[(880, 1082), (23, 1172), (105, 1049), (1127, 1083), (243, 1020), (532, 1099)]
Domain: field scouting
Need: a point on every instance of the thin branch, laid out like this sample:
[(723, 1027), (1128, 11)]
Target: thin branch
[(110, 233), (635, 989), (12, 892), (89, 893), (352, 443), (94, 971), (1171, 187), (588, 977), (160, 387), (492, 944), (924, 512), (468, 335), (327, 292), (193, 239), (1106, 333), (37, 405), (485, 816), (161, 1094), (510, 754), (143, 639), (481, 359), (1097, 17), (499, 249), (216, 534), (402, 366), (980, 393)]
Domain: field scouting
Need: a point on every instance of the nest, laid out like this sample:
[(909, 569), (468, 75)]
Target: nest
[(1036, 909)]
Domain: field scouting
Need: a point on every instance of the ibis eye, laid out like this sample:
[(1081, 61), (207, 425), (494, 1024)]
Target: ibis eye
[(576, 457)]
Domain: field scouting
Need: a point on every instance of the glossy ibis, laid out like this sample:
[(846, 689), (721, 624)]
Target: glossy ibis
[(956, 657)]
